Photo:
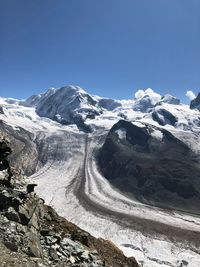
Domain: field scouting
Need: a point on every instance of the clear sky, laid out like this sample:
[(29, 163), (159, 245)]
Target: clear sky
[(108, 47)]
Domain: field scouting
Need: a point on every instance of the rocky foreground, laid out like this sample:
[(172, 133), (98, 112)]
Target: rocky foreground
[(32, 234)]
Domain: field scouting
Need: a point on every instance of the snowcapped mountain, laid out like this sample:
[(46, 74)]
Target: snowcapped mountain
[(71, 105), (143, 193)]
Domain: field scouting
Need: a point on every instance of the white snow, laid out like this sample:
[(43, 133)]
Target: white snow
[(121, 133), (60, 181), (157, 134)]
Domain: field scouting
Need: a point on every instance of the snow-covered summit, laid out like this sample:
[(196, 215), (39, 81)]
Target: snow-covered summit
[(71, 105), (145, 100), (67, 105), (169, 99)]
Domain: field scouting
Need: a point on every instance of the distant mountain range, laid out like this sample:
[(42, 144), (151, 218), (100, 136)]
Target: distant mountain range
[(72, 105)]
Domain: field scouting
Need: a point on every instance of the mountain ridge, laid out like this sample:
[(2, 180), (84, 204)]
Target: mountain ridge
[(73, 105)]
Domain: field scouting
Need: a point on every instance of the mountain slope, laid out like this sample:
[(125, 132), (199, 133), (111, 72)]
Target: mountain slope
[(153, 165), (195, 103), (33, 230)]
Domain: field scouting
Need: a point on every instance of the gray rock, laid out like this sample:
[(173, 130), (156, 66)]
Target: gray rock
[(1, 110), (12, 215), (163, 117), (65, 242), (4, 175), (34, 246), (53, 254), (195, 103), (50, 240), (72, 259), (11, 245), (85, 255)]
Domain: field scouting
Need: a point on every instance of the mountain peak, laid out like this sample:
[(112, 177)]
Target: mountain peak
[(195, 103), (71, 89)]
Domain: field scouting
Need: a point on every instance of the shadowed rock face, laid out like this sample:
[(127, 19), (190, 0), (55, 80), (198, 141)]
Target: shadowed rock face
[(195, 103), (163, 117), (1, 110), (151, 165)]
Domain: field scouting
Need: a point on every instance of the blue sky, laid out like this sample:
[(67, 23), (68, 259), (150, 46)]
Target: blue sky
[(109, 47)]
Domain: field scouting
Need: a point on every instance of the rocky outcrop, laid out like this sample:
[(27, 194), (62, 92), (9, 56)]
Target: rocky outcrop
[(152, 165), (195, 103), (109, 104), (144, 104), (1, 110), (32, 234), (25, 152), (163, 117)]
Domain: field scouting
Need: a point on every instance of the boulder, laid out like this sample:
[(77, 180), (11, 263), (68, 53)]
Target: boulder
[(12, 215)]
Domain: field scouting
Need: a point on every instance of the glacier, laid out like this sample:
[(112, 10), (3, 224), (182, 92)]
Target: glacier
[(69, 178)]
